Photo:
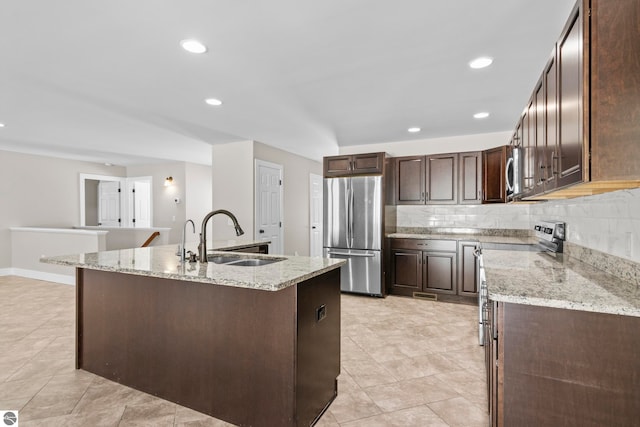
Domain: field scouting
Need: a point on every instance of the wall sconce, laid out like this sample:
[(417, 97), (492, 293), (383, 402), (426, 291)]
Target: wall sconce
[(168, 181)]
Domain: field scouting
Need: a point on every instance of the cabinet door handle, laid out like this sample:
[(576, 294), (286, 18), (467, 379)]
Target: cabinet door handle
[(422, 196), (554, 159)]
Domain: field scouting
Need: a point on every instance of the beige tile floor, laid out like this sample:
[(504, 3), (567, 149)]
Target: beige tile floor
[(405, 363)]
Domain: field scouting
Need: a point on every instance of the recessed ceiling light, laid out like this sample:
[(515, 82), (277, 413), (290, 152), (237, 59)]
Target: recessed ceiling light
[(1, 125), (483, 61), (213, 101), (482, 115), (413, 130), (193, 46)]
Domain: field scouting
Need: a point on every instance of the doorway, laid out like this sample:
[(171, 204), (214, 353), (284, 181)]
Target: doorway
[(268, 205), (112, 201), (315, 215)]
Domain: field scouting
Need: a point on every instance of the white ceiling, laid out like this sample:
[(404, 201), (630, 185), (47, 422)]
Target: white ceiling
[(108, 81)]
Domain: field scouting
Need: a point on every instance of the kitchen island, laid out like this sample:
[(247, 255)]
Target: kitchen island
[(251, 345)]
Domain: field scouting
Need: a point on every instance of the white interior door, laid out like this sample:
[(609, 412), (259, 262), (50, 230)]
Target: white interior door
[(268, 205), (109, 204), (142, 204), (315, 215)]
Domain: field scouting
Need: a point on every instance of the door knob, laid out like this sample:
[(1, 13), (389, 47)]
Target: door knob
[(314, 227), (261, 231)]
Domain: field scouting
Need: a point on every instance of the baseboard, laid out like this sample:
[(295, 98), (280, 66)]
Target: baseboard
[(39, 275)]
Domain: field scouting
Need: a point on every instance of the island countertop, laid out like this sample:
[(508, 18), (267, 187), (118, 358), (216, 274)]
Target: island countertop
[(162, 262), (560, 281)]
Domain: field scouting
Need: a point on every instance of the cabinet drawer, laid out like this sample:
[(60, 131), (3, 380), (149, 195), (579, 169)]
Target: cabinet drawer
[(425, 244)]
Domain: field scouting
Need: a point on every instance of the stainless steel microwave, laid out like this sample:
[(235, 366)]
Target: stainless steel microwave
[(514, 172)]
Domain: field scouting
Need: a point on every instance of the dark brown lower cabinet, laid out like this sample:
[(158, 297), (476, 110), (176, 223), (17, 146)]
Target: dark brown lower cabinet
[(564, 367), (445, 267), (440, 272), (407, 271), (467, 268), (423, 266)]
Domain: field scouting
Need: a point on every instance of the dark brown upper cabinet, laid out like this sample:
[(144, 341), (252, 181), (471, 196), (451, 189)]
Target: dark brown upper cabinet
[(494, 185), (410, 180), (426, 179), (356, 164), (442, 179), (568, 153), (580, 128), (470, 179)]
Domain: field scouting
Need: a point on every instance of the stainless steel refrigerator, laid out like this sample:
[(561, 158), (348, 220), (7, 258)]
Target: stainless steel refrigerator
[(353, 212)]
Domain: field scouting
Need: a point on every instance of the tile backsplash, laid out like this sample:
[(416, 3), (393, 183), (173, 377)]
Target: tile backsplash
[(468, 216), (607, 222)]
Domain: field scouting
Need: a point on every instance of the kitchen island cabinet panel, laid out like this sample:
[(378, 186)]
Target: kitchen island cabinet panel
[(247, 356)]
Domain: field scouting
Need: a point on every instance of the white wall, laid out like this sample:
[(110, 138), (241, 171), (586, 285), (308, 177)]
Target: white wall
[(232, 188), (28, 245), (41, 191), (91, 202), (197, 197), (454, 144), (191, 184), (296, 172)]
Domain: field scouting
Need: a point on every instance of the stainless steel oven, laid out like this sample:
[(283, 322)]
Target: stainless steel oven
[(483, 299)]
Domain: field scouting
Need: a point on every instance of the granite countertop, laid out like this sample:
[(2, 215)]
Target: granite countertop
[(525, 240), (557, 280), (161, 262)]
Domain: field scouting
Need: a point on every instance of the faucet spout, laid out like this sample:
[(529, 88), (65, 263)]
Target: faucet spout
[(181, 249), (203, 230)]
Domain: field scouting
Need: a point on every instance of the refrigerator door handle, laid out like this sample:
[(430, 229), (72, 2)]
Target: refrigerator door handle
[(369, 255), (350, 236)]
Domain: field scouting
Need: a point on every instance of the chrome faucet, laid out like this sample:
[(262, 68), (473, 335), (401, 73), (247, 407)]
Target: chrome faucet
[(203, 231), (181, 249)]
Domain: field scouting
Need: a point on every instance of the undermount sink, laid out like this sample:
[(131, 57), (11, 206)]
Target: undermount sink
[(222, 259), (252, 262), (241, 262)]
